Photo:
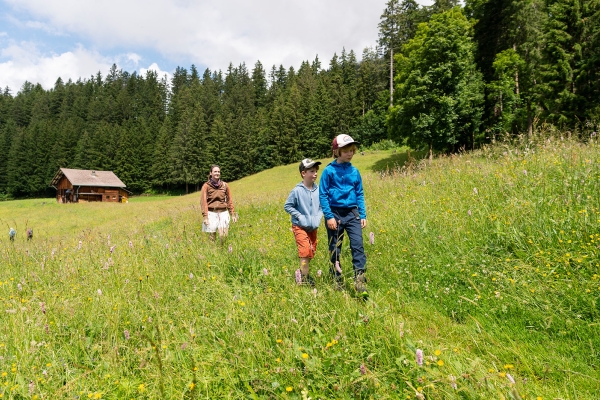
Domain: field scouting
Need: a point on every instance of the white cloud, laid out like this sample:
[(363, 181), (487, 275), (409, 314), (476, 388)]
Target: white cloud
[(160, 73), (215, 33), (200, 32), (135, 58)]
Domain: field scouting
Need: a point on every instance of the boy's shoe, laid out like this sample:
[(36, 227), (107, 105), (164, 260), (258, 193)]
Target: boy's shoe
[(307, 280), (360, 284)]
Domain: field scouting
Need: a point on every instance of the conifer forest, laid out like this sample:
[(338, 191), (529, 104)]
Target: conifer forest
[(447, 77)]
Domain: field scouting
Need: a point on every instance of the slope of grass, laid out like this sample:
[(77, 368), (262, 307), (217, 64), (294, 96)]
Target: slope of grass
[(486, 262)]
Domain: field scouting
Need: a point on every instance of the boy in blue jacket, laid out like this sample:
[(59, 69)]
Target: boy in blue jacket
[(343, 202), (304, 207)]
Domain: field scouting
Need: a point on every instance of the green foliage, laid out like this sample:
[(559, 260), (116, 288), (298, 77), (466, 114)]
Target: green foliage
[(440, 92)]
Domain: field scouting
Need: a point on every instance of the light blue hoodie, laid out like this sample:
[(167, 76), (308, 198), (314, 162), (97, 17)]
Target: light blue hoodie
[(304, 207)]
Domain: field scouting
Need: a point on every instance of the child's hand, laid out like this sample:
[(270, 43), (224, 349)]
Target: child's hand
[(363, 223), (332, 224)]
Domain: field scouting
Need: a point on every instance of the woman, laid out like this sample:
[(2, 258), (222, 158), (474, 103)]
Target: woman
[(217, 205)]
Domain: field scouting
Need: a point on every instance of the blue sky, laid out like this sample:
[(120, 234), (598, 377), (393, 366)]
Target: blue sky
[(41, 40)]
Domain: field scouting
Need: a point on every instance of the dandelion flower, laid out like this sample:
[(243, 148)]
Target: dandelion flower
[(440, 363), (289, 389), (304, 355), (438, 352)]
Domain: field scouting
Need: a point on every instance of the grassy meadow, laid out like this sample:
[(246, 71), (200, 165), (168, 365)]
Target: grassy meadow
[(486, 262)]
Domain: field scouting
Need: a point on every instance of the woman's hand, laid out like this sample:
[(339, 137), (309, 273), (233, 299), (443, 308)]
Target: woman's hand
[(234, 217), (205, 221)]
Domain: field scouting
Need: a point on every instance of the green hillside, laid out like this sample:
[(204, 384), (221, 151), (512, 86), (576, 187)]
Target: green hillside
[(487, 262)]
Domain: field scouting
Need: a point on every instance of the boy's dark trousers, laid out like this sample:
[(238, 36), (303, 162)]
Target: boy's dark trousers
[(348, 221)]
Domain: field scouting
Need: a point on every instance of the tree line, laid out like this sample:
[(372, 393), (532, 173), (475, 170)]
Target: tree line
[(443, 77)]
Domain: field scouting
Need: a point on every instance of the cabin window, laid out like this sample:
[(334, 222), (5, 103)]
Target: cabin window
[(107, 197)]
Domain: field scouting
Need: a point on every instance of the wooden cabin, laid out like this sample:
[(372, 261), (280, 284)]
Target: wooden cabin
[(81, 185)]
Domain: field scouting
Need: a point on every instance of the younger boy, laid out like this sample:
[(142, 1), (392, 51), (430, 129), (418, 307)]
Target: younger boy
[(304, 207), (343, 202)]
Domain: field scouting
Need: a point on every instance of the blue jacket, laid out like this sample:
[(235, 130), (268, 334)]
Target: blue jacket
[(304, 207), (341, 187)]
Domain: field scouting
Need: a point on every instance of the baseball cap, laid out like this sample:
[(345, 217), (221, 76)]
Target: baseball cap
[(307, 163), (342, 141)]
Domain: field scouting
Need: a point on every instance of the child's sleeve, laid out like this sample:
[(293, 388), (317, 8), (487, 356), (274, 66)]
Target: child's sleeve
[(360, 198), (324, 195), (290, 205)]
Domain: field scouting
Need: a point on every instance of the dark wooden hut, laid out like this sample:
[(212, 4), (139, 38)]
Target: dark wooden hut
[(80, 185)]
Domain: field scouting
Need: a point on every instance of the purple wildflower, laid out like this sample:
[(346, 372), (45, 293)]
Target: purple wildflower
[(43, 307), (452, 381), (99, 292), (126, 333), (363, 369), (130, 244), (230, 249), (78, 247), (469, 212), (525, 172), (265, 271), (315, 291), (319, 273), (475, 191), (510, 378), (191, 276), (298, 276), (20, 287), (31, 387), (112, 249), (372, 238), (419, 357), (47, 329)]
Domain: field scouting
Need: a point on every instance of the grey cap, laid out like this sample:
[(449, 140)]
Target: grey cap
[(307, 163)]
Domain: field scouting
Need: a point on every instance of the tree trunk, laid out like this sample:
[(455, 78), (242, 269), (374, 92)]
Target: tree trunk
[(529, 120), (391, 76)]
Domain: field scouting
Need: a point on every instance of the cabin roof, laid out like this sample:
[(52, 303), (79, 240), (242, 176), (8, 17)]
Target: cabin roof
[(86, 177)]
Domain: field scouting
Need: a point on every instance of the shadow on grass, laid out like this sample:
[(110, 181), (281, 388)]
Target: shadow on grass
[(398, 160)]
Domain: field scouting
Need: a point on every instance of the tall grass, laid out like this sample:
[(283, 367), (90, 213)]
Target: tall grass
[(485, 261)]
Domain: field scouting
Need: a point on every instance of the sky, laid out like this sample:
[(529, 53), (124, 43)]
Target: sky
[(41, 40)]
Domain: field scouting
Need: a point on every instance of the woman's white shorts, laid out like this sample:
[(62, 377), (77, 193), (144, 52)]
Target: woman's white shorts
[(216, 221)]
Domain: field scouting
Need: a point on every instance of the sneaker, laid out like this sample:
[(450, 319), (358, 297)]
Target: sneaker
[(308, 280), (360, 284)]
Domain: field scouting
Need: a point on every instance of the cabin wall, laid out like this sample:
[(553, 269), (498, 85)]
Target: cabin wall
[(87, 194)]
